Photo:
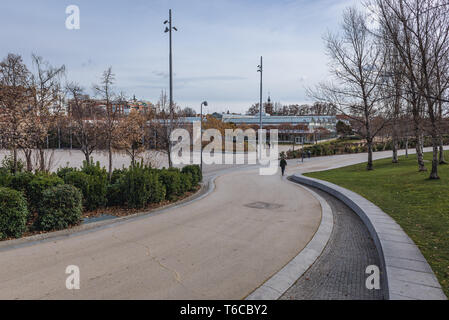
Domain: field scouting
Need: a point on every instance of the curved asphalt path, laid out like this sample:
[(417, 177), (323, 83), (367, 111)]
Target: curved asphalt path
[(220, 247)]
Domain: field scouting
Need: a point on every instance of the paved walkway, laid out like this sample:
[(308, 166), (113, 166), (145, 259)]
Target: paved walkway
[(339, 273), (221, 247)]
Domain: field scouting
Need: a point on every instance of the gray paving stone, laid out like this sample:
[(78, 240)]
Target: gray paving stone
[(421, 278), (408, 273), (339, 273), (408, 264), (415, 291)]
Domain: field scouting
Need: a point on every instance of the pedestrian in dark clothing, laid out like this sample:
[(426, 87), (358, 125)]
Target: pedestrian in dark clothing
[(283, 164), (309, 154)]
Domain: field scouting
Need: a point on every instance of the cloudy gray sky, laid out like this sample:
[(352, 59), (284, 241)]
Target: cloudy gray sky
[(216, 51)]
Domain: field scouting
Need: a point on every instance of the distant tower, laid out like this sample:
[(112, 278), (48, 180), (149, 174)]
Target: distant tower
[(269, 106)]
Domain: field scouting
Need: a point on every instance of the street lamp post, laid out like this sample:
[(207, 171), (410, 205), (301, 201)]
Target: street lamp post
[(260, 69), (204, 103), (169, 30)]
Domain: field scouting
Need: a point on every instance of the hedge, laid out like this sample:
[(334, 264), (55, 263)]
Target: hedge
[(38, 186), (195, 171), (61, 207), (13, 213)]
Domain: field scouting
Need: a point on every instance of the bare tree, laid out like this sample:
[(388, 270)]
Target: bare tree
[(357, 65), (15, 95), (82, 113), (419, 30), (129, 135), (112, 112), (45, 83), (164, 123)]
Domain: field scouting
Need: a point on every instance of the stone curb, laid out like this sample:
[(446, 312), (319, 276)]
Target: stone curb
[(278, 284), (408, 275), (206, 188)]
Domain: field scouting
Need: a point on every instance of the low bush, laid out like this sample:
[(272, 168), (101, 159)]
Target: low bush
[(96, 194), (5, 177), (13, 213), (38, 185), (62, 172), (157, 188), (195, 171), (61, 207), (21, 181), (171, 179), (137, 187), (186, 182), (81, 181)]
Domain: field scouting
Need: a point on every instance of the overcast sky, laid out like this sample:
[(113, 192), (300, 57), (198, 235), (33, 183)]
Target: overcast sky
[(216, 51)]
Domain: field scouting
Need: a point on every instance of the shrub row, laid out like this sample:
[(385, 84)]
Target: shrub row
[(56, 201), (344, 147)]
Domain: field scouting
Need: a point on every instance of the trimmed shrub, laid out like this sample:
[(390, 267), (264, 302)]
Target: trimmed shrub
[(13, 213), (186, 182), (115, 195), (61, 207), (135, 187), (62, 172), (96, 194), (171, 179), (21, 181), (38, 185), (5, 177), (157, 189), (81, 181), (195, 171)]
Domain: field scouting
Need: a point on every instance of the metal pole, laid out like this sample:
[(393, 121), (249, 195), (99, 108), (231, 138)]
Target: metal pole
[(201, 137), (261, 92), (171, 81)]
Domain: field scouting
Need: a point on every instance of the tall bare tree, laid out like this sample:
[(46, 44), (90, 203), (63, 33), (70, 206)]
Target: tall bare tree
[(83, 117), (419, 30), (357, 66), (163, 124), (130, 133), (112, 112), (15, 96), (46, 85)]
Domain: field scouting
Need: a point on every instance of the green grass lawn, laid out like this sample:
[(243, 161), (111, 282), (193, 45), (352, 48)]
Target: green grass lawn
[(419, 205)]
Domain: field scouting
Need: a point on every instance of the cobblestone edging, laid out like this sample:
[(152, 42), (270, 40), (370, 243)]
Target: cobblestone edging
[(408, 275), (279, 283)]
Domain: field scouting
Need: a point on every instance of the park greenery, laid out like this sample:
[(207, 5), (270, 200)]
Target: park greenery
[(41, 201), (419, 205), (352, 145)]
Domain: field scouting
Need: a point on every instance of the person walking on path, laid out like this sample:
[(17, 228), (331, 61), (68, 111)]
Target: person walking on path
[(283, 164)]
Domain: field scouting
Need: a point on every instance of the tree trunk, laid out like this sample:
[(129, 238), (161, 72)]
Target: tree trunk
[(395, 146), (15, 159), (406, 147), (110, 160), (370, 166), (41, 160), (419, 153), (442, 160), (28, 154), (434, 173)]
